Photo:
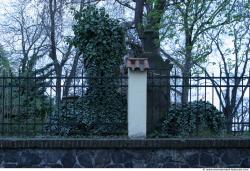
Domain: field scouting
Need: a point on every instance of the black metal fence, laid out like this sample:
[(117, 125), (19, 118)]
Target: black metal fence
[(88, 105), (205, 95), (97, 105)]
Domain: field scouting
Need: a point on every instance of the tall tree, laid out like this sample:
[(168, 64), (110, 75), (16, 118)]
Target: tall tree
[(233, 62), (186, 25), (33, 42), (60, 50), (147, 18)]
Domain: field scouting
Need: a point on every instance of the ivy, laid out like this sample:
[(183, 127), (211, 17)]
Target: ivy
[(198, 118), (101, 40)]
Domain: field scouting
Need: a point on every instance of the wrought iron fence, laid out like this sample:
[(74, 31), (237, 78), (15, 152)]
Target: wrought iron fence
[(97, 105), (88, 106), (230, 95)]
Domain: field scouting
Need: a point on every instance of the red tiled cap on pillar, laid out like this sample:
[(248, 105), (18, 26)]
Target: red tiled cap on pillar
[(140, 64)]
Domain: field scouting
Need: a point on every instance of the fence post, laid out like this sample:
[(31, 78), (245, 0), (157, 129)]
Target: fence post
[(137, 97)]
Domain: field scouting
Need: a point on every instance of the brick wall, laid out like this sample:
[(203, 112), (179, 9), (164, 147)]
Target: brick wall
[(125, 153)]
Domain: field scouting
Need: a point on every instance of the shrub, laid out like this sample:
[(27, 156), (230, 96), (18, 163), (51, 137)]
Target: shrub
[(101, 40), (198, 118), (106, 119)]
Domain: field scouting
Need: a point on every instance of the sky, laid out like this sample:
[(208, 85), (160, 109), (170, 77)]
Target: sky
[(4, 5)]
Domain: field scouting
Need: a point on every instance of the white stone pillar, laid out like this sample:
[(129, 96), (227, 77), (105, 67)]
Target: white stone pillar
[(137, 100)]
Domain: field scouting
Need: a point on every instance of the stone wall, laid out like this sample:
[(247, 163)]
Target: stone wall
[(61, 153)]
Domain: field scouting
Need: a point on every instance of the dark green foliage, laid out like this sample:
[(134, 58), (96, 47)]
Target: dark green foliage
[(81, 118), (4, 61), (23, 102), (23, 98), (31, 98), (102, 109), (101, 40), (197, 118)]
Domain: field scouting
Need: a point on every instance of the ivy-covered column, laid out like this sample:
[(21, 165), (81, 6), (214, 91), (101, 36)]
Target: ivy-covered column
[(101, 40)]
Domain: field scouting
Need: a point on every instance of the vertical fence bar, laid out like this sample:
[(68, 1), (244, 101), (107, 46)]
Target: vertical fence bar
[(248, 101), (190, 96), (205, 90), (174, 104), (190, 87), (82, 93), (3, 92), (34, 114), (220, 105), (19, 99), (27, 100), (175, 88), (205, 93), (197, 88), (212, 89), (122, 89), (43, 82), (75, 98), (51, 105), (153, 92), (66, 106), (197, 99), (11, 103), (182, 87), (57, 102), (160, 87), (242, 103)]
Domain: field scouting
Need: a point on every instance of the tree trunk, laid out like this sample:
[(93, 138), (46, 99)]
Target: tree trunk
[(72, 73), (185, 87), (228, 112), (186, 81), (58, 89), (53, 54), (158, 98), (158, 92), (186, 71)]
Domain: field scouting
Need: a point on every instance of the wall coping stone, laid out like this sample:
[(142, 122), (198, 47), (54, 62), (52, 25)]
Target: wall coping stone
[(170, 143)]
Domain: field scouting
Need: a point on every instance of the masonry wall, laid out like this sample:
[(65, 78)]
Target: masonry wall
[(125, 153)]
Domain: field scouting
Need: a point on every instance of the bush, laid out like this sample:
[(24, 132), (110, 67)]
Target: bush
[(198, 118), (106, 119)]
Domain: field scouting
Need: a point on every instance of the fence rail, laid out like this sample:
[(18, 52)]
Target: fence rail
[(97, 105)]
